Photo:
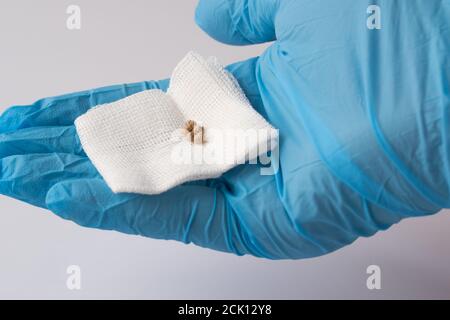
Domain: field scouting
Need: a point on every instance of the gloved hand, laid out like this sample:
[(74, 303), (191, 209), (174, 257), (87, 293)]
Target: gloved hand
[(364, 135)]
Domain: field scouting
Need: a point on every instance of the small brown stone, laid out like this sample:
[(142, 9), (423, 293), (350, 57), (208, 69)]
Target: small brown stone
[(195, 132)]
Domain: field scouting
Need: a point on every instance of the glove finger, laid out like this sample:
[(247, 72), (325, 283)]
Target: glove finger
[(197, 214), (63, 110), (29, 177), (238, 22), (41, 140)]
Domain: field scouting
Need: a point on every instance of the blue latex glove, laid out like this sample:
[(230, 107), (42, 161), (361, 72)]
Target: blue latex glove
[(364, 134)]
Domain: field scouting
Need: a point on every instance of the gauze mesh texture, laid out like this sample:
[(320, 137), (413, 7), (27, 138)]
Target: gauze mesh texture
[(140, 144)]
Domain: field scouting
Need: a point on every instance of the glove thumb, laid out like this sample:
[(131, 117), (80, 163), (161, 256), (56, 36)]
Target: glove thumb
[(238, 22)]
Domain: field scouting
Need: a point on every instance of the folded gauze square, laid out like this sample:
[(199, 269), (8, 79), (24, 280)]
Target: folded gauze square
[(152, 141)]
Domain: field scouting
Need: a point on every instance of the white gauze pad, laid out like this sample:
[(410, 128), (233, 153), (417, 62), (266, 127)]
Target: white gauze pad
[(152, 141)]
